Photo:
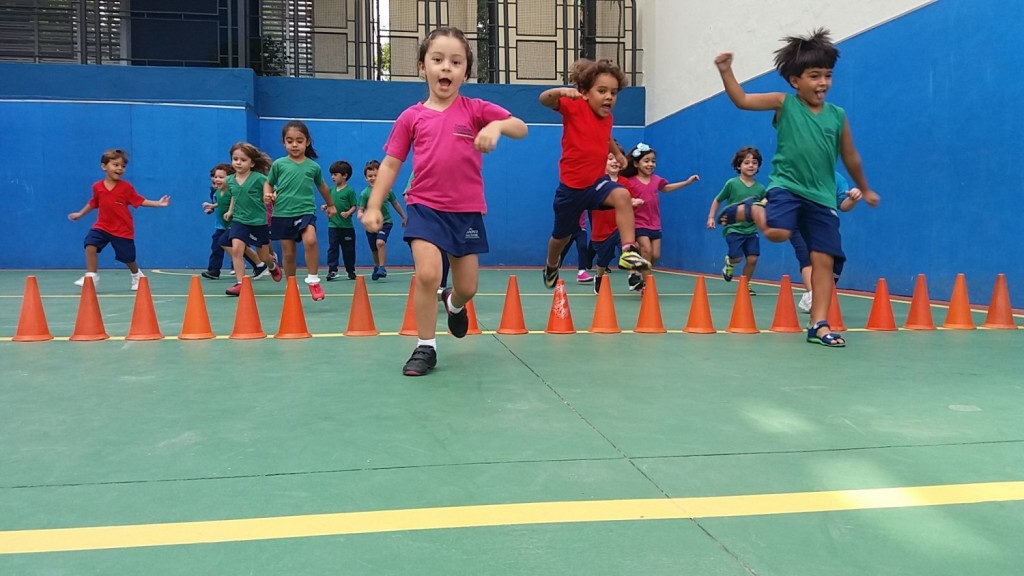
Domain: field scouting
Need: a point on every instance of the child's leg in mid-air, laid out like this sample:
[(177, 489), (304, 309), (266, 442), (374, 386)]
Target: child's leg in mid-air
[(237, 261)]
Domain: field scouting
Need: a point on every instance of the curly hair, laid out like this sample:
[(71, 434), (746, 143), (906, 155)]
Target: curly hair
[(584, 73), (742, 154)]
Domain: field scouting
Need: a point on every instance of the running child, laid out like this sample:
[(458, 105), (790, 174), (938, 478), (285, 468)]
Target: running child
[(289, 187), (586, 110), (247, 212), (114, 225), (378, 240), (218, 205), (604, 236), (340, 232), (741, 237), (645, 185), (447, 134), (801, 189)]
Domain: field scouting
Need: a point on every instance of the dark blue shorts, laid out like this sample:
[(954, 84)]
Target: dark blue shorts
[(457, 233), (571, 202), (383, 234), (819, 225), (741, 245), (604, 251), (252, 235), (124, 248), (648, 233), (803, 256), (291, 227)]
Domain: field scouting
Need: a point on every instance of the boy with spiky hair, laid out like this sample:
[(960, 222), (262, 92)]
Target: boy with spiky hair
[(801, 188)]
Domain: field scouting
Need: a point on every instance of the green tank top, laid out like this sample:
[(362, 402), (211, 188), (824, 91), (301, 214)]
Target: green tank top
[(805, 158)]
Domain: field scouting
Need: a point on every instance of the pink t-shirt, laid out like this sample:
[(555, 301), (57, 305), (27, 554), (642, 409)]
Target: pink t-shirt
[(446, 165), (647, 215)]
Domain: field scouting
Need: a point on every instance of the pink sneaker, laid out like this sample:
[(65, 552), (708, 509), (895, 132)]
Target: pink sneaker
[(583, 277), (234, 290), (276, 274), (316, 292)]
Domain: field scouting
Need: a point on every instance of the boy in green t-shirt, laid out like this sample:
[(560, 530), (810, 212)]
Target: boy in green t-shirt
[(801, 188), (340, 232), (378, 240), (741, 237)]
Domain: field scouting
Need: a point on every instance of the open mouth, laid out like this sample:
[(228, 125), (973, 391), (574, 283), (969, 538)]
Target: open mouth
[(444, 83)]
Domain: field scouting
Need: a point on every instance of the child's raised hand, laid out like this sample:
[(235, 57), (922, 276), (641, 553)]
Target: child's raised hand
[(372, 219), (723, 61), (164, 201), (872, 198), (571, 93), (487, 138), (74, 216), (692, 179)]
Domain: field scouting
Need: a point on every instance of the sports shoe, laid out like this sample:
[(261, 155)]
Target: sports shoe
[(631, 260), (261, 271), (750, 289), (316, 292), (276, 273), (597, 284), (332, 276), (95, 279), (234, 290), (458, 322), (135, 280), (382, 272), (805, 303), (423, 360), (583, 277), (550, 277), (351, 275), (210, 275), (636, 282), (376, 273), (727, 270)]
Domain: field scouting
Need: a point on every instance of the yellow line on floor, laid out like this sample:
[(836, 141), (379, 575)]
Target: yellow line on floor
[(250, 529)]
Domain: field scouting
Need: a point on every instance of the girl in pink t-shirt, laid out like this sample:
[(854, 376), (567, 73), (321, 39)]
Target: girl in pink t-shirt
[(645, 185), (447, 134)]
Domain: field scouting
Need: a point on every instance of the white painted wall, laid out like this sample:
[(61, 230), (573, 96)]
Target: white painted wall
[(680, 39)]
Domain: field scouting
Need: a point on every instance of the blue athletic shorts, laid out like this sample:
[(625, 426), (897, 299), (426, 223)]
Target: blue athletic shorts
[(571, 202), (647, 232), (124, 248), (291, 227), (818, 224), (457, 233), (741, 245), (604, 251), (252, 235), (383, 234)]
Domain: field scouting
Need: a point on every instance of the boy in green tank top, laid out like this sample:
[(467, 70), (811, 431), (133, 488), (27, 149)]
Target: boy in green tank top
[(801, 188)]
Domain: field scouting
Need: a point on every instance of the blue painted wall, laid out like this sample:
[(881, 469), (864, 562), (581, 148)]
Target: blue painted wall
[(177, 123), (933, 99)]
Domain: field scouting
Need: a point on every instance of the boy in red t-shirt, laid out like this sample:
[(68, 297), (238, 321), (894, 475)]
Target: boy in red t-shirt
[(586, 142), (111, 197)]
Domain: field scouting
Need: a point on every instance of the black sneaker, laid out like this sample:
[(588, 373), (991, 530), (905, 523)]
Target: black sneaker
[(597, 284), (550, 277), (351, 275), (260, 271), (211, 275), (423, 360), (458, 322), (636, 282), (332, 275)]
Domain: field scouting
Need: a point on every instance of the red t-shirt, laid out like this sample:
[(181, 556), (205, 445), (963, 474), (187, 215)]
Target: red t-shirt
[(113, 216), (602, 222), (585, 138)]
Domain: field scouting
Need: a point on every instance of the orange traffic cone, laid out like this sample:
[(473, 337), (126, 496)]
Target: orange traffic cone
[(958, 317), (196, 325), (144, 324), (89, 323), (247, 315), (409, 320), (699, 320), (474, 328), (293, 320), (835, 313), (32, 325), (1000, 314), (881, 317), (920, 315), (605, 319), (512, 321), (649, 321), (785, 319), (742, 319), (560, 318), (360, 316)]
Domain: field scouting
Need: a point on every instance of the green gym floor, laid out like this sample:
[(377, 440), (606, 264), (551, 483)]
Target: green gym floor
[(720, 454)]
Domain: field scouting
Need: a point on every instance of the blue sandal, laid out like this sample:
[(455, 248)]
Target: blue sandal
[(831, 340), (727, 214)]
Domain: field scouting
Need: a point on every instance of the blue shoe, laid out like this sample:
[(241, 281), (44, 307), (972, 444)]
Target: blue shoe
[(382, 272), (376, 273)]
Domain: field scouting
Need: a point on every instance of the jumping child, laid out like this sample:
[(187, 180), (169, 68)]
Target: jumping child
[(741, 237)]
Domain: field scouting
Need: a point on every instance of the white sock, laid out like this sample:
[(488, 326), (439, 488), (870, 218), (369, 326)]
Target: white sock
[(432, 342), (451, 307), (137, 274), (312, 278), (272, 265)]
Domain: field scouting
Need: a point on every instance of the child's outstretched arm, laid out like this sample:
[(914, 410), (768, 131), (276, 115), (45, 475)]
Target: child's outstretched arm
[(85, 210), (329, 202), (163, 202), (372, 218), (488, 136), (677, 185), (851, 159), (742, 100), (551, 96)]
